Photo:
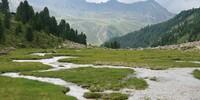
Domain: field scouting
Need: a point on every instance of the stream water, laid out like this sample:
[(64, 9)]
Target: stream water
[(170, 84)]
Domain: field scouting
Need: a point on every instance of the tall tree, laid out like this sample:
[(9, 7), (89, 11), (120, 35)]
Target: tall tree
[(24, 12), (2, 35), (5, 6), (7, 18), (29, 34), (18, 29), (45, 18)]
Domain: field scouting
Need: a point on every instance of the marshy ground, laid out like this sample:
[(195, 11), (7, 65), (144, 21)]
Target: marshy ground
[(96, 74)]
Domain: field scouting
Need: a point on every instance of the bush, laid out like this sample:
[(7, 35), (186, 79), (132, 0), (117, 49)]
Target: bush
[(92, 95), (67, 89), (115, 96)]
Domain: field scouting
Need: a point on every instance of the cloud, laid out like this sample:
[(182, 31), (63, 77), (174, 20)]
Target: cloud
[(179, 5), (174, 6), (97, 1)]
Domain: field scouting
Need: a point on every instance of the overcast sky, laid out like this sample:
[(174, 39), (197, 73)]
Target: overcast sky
[(174, 6)]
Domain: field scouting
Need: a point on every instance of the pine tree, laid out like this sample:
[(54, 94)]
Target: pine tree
[(18, 29), (29, 34), (7, 18), (5, 6), (24, 12), (2, 34)]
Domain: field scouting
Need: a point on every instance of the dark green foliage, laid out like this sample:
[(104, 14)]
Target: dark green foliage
[(43, 21), (7, 18), (91, 95), (4, 6), (115, 96), (185, 27), (105, 96), (2, 35), (24, 12), (113, 45), (82, 38), (18, 29), (196, 74), (29, 29), (66, 32), (29, 34)]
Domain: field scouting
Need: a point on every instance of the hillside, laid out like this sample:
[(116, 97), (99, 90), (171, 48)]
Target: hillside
[(185, 27), (106, 20), (27, 28)]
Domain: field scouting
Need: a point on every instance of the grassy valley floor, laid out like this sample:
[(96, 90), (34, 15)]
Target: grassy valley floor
[(97, 79), (23, 89), (154, 59), (94, 79)]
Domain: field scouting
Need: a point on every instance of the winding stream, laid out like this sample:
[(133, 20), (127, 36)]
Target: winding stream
[(170, 84)]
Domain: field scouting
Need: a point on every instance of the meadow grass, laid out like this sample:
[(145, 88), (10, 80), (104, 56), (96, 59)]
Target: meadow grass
[(106, 96), (97, 79), (18, 67), (196, 74), (7, 65), (154, 59), (23, 89)]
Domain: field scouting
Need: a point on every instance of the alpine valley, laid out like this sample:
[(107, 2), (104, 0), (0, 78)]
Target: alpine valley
[(102, 21)]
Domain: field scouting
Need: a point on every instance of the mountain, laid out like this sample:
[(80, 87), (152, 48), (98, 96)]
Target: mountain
[(185, 27), (102, 21)]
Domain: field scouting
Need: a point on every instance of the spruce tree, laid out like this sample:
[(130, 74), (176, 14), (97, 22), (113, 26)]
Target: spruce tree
[(2, 35), (18, 29), (29, 34), (24, 12), (7, 18), (5, 6)]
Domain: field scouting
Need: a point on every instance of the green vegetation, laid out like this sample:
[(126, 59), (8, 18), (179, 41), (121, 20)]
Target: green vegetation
[(92, 95), (22, 89), (182, 28), (115, 96), (97, 79), (17, 67), (6, 64), (154, 59), (29, 29), (113, 45), (196, 74), (104, 96), (135, 83)]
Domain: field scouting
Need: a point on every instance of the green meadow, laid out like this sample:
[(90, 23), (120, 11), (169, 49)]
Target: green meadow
[(94, 79), (154, 59), (97, 79), (23, 89)]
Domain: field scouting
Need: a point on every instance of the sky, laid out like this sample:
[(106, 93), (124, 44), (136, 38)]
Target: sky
[(174, 6)]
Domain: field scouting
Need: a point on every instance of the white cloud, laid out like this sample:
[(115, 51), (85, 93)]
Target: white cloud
[(179, 5), (97, 1)]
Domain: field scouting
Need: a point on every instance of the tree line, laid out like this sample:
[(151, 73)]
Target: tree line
[(38, 21), (113, 45)]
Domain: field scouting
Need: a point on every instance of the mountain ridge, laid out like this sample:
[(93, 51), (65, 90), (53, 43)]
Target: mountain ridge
[(183, 28), (106, 20)]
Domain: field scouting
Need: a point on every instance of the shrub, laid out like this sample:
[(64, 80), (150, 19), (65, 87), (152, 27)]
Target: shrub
[(115, 96), (92, 95)]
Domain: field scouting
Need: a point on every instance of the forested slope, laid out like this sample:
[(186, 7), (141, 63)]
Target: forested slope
[(27, 28), (185, 27)]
